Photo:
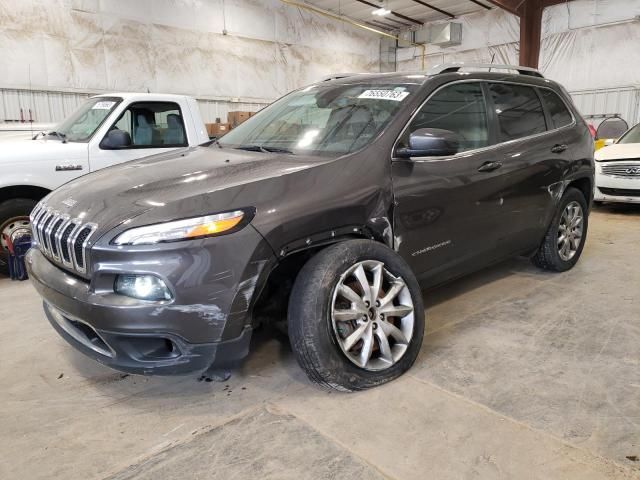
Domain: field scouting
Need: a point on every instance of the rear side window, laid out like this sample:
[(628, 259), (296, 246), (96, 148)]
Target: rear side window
[(459, 108), (560, 116), (519, 111)]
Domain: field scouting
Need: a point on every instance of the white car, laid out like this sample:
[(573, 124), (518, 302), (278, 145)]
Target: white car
[(618, 170), (105, 130)]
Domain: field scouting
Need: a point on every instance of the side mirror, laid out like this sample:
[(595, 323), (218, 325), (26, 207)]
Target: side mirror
[(430, 142), (116, 139)]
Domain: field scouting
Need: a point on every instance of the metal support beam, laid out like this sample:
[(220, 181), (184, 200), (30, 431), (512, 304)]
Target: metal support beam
[(395, 14), (530, 31), (530, 13), (377, 23), (511, 6), (436, 9), (397, 22), (481, 4)]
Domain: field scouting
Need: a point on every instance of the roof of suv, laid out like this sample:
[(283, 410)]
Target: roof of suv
[(525, 75)]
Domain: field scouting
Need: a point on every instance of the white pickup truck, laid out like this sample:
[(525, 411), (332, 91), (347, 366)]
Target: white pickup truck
[(103, 131)]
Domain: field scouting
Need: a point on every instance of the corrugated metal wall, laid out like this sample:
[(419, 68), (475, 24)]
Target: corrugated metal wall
[(596, 105), (38, 106), (52, 107)]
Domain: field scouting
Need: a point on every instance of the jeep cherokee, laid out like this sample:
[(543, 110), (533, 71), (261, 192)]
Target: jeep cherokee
[(331, 208)]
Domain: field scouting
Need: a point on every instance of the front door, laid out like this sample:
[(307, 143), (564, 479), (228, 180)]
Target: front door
[(448, 210)]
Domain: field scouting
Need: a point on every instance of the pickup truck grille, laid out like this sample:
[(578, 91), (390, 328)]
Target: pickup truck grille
[(628, 170), (62, 239)]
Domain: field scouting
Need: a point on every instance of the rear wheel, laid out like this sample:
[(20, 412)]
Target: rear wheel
[(564, 241), (14, 219), (356, 318)]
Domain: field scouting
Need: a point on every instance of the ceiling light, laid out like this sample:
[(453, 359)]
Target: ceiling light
[(381, 12)]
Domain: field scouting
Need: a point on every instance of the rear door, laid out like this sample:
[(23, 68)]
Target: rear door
[(536, 154), (447, 209)]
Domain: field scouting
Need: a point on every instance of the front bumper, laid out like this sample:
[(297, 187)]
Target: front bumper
[(165, 338), (152, 353)]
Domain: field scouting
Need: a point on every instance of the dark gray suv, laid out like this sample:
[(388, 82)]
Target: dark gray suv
[(331, 208)]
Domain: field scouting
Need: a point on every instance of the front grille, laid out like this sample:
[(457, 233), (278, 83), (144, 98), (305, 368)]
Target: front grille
[(620, 192), (627, 170), (61, 238)]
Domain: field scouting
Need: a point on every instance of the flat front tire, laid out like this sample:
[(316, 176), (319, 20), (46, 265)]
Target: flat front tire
[(356, 317)]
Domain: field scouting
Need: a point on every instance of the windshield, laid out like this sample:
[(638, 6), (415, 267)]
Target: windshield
[(632, 136), (82, 124), (321, 119)]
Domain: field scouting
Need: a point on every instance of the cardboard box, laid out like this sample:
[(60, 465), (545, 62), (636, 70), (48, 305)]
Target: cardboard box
[(217, 129), (236, 118)]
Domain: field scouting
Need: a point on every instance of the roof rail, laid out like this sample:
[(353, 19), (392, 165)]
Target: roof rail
[(338, 76), (456, 67)]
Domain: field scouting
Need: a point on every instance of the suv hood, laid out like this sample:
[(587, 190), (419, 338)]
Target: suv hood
[(619, 151), (160, 185)]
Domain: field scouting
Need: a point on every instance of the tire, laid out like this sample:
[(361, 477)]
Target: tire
[(320, 341), (10, 210), (550, 255)]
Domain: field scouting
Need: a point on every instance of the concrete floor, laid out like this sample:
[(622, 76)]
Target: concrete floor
[(523, 375)]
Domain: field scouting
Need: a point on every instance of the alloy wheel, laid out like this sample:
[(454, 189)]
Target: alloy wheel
[(570, 231), (372, 315)]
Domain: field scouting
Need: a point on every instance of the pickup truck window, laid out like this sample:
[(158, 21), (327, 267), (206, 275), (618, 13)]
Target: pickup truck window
[(322, 119), (82, 124), (153, 125)]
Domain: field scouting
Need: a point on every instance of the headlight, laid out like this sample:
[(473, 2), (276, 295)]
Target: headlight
[(188, 229), (144, 287)]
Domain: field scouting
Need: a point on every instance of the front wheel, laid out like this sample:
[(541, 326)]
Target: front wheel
[(14, 219), (356, 318), (564, 241)]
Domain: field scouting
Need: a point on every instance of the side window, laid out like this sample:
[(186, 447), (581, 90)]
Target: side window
[(153, 125), (519, 111), (458, 108), (560, 116)]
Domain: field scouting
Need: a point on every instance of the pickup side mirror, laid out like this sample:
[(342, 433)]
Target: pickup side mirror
[(430, 142), (115, 140)]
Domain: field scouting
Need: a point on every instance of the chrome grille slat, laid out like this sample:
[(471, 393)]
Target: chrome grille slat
[(54, 224), (62, 239), (56, 232), (42, 231), (35, 214)]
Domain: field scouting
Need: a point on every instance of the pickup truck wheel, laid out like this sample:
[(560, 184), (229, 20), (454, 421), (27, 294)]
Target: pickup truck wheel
[(14, 215), (564, 241), (356, 318)]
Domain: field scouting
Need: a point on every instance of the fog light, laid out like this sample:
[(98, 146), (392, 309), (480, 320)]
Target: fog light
[(144, 287)]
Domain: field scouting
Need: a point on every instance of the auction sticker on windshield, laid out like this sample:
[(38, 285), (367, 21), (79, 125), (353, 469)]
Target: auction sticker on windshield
[(394, 95), (103, 105)]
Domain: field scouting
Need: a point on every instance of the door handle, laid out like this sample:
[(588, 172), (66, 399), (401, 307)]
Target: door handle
[(559, 148), (489, 166)]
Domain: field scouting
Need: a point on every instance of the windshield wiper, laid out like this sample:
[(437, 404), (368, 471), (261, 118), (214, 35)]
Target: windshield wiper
[(260, 148), (60, 135)]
